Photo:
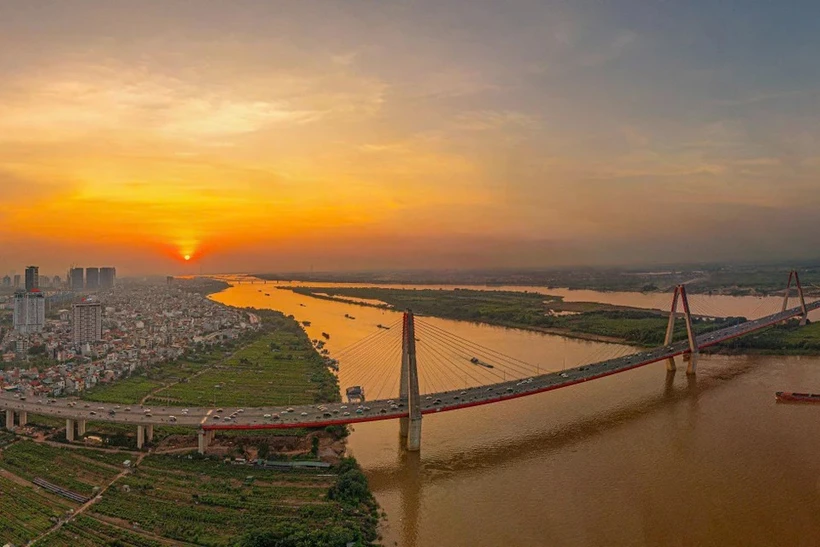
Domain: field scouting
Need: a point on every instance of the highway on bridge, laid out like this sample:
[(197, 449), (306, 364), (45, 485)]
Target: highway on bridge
[(321, 415)]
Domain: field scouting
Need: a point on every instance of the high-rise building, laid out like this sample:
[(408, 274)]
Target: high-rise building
[(32, 278), (57, 282), (29, 311), (86, 319), (16, 281), (92, 278), (108, 277), (76, 279), (7, 281)]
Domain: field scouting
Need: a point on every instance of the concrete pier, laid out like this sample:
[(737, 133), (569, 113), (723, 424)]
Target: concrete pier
[(9, 419), (149, 433), (140, 436), (202, 441), (81, 424), (69, 430), (411, 426), (22, 418)]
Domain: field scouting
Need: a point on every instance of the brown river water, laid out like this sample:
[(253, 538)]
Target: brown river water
[(639, 458)]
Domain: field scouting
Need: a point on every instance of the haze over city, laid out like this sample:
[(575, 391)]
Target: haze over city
[(257, 136)]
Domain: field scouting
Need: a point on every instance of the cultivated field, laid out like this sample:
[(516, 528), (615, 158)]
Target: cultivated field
[(77, 470)]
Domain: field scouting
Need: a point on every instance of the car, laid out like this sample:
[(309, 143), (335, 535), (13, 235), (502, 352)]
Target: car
[(219, 410), (304, 413), (172, 418), (128, 409), (366, 408), (464, 393), (146, 411), (564, 375), (276, 416), (214, 417), (383, 411), (93, 413), (428, 398), (327, 415), (346, 414), (343, 407), (267, 416), (437, 402), (394, 406), (289, 410), (117, 407), (359, 411), (241, 410)]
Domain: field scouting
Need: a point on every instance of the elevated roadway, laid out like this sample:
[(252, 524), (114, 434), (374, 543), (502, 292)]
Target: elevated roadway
[(311, 416)]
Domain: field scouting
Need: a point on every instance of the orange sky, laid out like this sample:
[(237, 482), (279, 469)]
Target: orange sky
[(256, 138)]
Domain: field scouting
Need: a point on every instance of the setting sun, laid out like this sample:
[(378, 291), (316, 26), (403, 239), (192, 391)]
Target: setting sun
[(187, 257)]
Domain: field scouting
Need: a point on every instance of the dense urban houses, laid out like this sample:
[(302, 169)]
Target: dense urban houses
[(109, 335)]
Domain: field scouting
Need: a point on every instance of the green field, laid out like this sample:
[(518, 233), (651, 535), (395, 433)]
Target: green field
[(780, 339), (85, 531), (131, 390), (280, 368), (78, 470), (211, 503), (27, 513)]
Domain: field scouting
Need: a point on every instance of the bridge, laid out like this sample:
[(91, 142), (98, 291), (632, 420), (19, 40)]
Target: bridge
[(410, 404)]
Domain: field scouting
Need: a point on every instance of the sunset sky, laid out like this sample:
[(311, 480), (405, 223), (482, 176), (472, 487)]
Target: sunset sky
[(271, 136)]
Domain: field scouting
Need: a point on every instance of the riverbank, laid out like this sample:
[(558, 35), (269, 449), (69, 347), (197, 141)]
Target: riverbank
[(552, 315)]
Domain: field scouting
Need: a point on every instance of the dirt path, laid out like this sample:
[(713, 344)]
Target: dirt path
[(86, 505), (191, 377)]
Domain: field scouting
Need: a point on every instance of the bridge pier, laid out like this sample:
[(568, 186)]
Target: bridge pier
[(201, 442), (692, 356), (81, 424), (69, 430), (805, 316), (22, 418), (140, 436), (149, 433), (9, 419), (410, 425)]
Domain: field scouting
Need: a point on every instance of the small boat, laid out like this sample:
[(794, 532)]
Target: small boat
[(326, 335), (790, 397), (303, 305), (306, 323), (382, 327), (267, 294), (349, 316), (477, 361)]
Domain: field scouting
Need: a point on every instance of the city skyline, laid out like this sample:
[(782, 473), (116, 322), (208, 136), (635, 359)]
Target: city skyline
[(340, 136)]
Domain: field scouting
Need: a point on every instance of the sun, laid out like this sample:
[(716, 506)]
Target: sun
[(187, 257)]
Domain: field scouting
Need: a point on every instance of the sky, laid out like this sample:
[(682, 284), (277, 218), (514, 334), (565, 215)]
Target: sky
[(351, 135)]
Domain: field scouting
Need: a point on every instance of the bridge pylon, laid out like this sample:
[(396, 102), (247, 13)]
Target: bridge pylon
[(793, 274), (680, 291), (410, 425)]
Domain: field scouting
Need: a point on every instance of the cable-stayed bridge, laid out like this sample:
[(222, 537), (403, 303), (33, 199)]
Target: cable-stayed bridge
[(413, 368)]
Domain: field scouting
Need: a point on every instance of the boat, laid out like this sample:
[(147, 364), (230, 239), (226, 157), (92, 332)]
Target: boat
[(349, 316), (306, 323), (326, 335), (477, 361), (303, 305), (382, 327), (267, 294), (791, 397)]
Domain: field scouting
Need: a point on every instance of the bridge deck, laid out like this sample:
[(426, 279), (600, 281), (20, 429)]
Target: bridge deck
[(341, 414)]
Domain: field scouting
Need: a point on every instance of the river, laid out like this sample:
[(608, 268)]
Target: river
[(640, 458)]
